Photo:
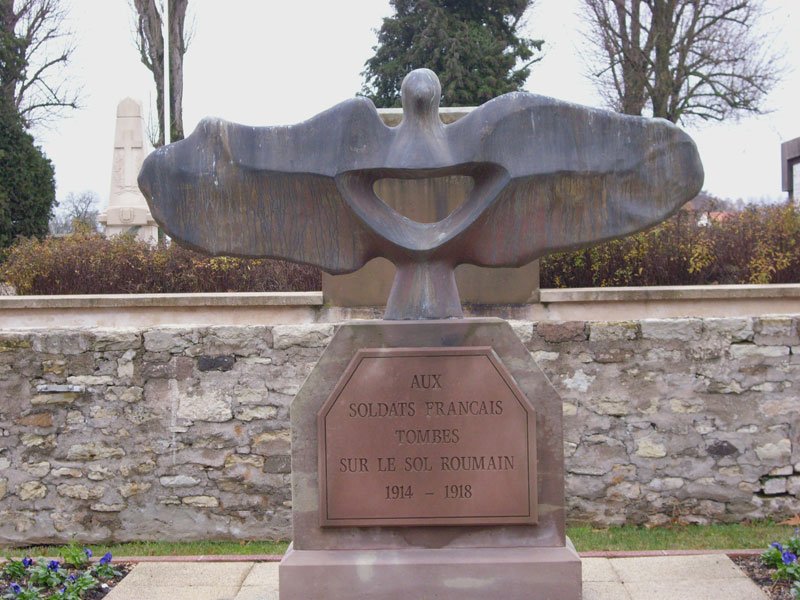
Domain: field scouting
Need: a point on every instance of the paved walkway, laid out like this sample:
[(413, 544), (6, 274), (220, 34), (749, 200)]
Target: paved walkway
[(703, 577)]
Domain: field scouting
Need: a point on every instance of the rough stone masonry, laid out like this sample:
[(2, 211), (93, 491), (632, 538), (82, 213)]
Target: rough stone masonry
[(182, 432)]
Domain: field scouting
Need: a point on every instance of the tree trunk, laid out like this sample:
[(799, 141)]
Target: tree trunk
[(633, 65), (151, 49), (177, 48), (662, 73)]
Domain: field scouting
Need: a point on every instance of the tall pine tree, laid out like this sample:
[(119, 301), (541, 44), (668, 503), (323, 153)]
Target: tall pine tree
[(472, 45)]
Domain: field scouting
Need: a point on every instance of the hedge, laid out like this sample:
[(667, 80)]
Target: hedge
[(758, 245), (88, 263)]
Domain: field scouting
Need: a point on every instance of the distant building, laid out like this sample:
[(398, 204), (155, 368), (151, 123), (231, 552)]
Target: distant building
[(790, 167)]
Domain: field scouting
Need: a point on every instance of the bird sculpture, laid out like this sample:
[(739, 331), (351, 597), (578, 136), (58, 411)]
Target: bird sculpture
[(548, 176)]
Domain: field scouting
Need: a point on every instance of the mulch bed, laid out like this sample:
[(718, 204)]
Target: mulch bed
[(101, 592), (762, 575)]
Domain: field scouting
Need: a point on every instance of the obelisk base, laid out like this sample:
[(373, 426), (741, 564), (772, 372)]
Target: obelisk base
[(442, 573)]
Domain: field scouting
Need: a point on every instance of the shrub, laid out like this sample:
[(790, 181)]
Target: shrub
[(758, 245), (88, 263)]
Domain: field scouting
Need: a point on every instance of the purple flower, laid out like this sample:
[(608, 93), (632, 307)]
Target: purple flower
[(27, 562), (15, 588), (106, 558), (53, 565), (777, 546), (88, 552), (789, 557), (72, 578)]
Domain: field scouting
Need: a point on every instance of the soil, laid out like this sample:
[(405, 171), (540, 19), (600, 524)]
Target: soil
[(97, 593), (775, 590)]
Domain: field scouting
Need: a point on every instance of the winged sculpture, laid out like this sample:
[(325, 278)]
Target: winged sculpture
[(548, 176)]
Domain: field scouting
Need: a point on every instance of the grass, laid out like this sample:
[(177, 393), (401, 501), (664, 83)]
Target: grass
[(161, 549), (585, 538), (679, 537)]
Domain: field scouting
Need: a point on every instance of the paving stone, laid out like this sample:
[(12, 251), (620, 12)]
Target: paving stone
[(256, 593), (264, 575), (605, 590), (166, 592), (598, 570), (177, 575), (703, 589), (675, 568)]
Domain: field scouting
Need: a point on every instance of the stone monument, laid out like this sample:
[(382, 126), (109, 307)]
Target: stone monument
[(427, 456), (127, 210)]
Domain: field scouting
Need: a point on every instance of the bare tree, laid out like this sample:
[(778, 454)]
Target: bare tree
[(681, 59), (150, 41), (77, 210), (35, 49)]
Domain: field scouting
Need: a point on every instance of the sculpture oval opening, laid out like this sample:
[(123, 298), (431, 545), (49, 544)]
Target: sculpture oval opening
[(426, 200)]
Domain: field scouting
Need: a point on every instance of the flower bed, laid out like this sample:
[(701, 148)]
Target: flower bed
[(74, 577)]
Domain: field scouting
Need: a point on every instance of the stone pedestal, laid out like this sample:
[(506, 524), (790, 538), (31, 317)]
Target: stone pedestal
[(127, 210), (489, 550), (444, 574)]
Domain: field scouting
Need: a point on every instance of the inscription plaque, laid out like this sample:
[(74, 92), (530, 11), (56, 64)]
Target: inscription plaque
[(427, 436)]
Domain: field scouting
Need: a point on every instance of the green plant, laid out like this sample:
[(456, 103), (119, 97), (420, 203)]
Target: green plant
[(17, 592), (103, 568), (77, 585), (15, 569), (75, 555), (783, 558), (47, 574)]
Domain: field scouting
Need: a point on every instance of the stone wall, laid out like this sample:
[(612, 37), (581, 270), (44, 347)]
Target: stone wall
[(182, 432)]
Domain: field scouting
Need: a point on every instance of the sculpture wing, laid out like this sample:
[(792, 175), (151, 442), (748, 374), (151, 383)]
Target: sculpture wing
[(268, 191), (578, 176)]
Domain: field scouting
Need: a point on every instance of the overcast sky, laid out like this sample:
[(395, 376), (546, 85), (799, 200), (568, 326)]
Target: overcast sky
[(270, 62)]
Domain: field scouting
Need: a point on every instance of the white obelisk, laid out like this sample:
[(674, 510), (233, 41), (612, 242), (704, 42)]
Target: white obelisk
[(127, 210)]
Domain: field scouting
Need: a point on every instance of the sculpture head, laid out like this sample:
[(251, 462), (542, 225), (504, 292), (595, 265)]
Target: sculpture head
[(549, 176), (420, 95)]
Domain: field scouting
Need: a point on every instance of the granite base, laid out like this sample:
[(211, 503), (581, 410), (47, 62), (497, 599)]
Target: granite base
[(427, 574)]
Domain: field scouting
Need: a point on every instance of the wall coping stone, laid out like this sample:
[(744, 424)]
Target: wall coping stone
[(163, 300), (548, 296), (678, 292), (291, 308)]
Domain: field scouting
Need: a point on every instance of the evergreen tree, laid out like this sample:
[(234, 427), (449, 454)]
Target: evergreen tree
[(472, 45), (27, 181)]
